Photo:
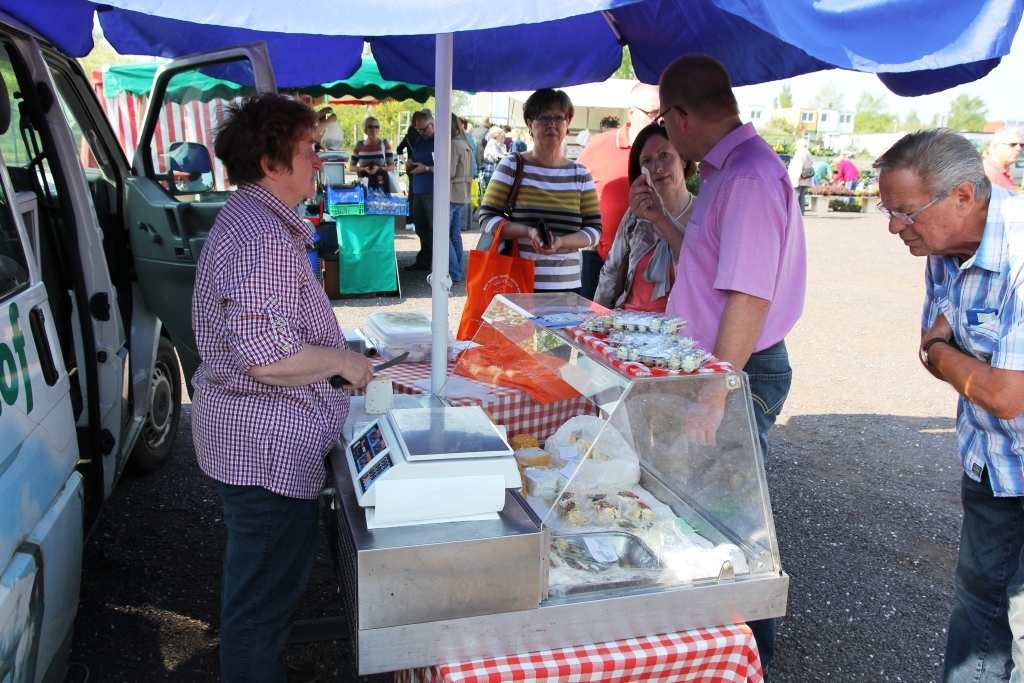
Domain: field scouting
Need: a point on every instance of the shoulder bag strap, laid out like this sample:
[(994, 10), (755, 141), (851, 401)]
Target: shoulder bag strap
[(517, 180), (620, 281)]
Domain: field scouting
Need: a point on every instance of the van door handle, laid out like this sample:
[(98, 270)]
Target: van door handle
[(151, 231), (38, 324)]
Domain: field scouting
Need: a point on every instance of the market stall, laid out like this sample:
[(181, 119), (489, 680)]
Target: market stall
[(620, 525)]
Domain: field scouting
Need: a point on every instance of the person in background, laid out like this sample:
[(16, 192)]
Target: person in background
[(1002, 154), (743, 272), (801, 172), (648, 241), (404, 150), (821, 171), (556, 191), (421, 173), (328, 134), (846, 173), (518, 145), (606, 156), (508, 138), (480, 132), (264, 413), (938, 200), (467, 215), (493, 154), (461, 167), (372, 158)]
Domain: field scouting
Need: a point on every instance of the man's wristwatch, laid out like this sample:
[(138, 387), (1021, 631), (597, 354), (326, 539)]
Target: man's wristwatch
[(928, 345)]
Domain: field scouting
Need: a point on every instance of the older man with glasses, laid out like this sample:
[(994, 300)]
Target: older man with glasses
[(1002, 154), (742, 269), (939, 201), (420, 168)]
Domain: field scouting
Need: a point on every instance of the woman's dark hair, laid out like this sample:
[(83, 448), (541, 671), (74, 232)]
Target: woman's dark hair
[(267, 126), (544, 98), (689, 167)]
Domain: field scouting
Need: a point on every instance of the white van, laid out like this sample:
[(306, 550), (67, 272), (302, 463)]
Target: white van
[(97, 263)]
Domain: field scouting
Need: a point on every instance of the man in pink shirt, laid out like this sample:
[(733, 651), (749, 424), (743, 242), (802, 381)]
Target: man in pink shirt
[(607, 157), (742, 269), (1002, 154)]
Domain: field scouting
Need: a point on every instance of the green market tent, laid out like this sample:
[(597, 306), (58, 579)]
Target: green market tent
[(366, 85)]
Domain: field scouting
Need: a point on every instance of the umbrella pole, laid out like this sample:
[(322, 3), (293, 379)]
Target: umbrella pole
[(440, 281)]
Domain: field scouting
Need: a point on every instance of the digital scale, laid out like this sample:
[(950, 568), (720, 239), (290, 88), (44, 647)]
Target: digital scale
[(453, 446)]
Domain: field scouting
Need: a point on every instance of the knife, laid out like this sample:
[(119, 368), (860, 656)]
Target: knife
[(337, 381)]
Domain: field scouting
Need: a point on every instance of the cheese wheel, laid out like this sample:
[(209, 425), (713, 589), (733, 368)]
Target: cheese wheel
[(380, 395)]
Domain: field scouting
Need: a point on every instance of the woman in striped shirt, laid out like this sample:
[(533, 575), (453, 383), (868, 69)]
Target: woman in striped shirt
[(555, 191), (372, 158)]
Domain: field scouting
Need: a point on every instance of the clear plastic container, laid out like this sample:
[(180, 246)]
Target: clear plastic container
[(394, 333)]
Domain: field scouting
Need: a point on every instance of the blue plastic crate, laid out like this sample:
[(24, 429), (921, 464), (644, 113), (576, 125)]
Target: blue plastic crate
[(345, 195)]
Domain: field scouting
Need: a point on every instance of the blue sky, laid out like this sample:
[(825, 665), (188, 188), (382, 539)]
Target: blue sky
[(1002, 90)]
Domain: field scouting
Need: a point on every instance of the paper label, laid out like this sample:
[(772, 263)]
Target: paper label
[(568, 470), (601, 550), (568, 452)]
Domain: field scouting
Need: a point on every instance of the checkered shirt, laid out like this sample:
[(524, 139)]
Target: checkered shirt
[(991, 284), (257, 301)]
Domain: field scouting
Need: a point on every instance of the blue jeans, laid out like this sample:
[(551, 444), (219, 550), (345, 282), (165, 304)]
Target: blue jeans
[(986, 627), (590, 273), (455, 241), (770, 377), (267, 563), (801, 196)]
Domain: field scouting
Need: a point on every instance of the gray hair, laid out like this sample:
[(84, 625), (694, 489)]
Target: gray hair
[(942, 158), (1006, 132), (370, 119)]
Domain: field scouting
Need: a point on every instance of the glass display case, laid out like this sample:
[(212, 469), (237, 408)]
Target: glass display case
[(648, 513)]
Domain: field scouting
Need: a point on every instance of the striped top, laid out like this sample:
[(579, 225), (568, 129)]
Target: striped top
[(563, 197), (364, 154), (983, 299)]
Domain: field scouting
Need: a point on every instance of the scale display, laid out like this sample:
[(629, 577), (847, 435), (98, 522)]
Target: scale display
[(428, 443)]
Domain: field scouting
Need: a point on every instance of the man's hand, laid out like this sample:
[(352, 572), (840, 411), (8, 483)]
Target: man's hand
[(703, 417), (940, 329)]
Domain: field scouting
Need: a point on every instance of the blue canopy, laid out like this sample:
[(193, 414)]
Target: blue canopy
[(912, 47)]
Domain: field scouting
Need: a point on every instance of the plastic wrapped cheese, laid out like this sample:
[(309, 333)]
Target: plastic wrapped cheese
[(380, 395)]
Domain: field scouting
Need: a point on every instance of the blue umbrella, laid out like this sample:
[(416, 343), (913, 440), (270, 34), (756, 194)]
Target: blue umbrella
[(914, 48)]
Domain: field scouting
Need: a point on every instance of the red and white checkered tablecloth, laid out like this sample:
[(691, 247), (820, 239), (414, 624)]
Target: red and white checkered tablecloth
[(721, 654), (511, 408)]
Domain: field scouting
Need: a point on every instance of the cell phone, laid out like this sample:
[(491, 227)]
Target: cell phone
[(545, 234), (411, 164)]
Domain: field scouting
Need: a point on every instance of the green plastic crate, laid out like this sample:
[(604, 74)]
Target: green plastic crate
[(346, 209)]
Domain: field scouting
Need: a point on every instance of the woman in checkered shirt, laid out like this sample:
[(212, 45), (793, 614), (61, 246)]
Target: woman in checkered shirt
[(264, 413)]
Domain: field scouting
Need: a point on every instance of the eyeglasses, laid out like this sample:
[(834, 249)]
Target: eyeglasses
[(908, 219), (550, 120), (660, 118), (645, 112), (423, 130), (1013, 144), (377, 127)]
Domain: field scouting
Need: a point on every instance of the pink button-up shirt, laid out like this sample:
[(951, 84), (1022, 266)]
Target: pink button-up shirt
[(257, 301), (745, 235)]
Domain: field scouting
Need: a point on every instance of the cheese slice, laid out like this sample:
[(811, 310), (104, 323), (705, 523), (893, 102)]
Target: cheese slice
[(380, 395)]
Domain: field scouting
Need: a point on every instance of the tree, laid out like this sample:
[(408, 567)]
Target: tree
[(911, 122), (785, 98), (828, 97), (873, 115), (625, 69), (967, 113), (777, 124)]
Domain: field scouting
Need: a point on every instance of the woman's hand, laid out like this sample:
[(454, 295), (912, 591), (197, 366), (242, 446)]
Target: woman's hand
[(357, 370), (645, 201), (540, 247)]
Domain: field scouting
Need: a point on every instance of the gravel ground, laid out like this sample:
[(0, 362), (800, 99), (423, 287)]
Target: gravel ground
[(863, 476)]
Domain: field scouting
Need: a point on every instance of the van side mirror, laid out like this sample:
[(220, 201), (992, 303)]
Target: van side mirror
[(190, 167)]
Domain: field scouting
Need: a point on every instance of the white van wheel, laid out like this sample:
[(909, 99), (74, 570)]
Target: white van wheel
[(162, 414)]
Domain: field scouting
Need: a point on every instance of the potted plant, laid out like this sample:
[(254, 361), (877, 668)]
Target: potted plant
[(820, 195), (610, 122), (868, 196)]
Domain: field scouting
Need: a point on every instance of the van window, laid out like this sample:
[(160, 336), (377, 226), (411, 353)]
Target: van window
[(13, 265), (192, 107)]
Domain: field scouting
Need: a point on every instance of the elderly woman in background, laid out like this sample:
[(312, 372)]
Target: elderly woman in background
[(462, 176), (494, 152), (372, 158), (264, 413), (555, 213), (640, 269)]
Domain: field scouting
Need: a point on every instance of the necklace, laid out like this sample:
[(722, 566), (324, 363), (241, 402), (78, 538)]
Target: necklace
[(685, 209)]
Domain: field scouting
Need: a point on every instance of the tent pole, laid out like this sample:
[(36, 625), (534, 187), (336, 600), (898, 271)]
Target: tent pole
[(440, 281)]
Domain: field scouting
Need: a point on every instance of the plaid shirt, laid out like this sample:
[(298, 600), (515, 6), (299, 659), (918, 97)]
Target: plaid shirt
[(257, 301), (983, 299)]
